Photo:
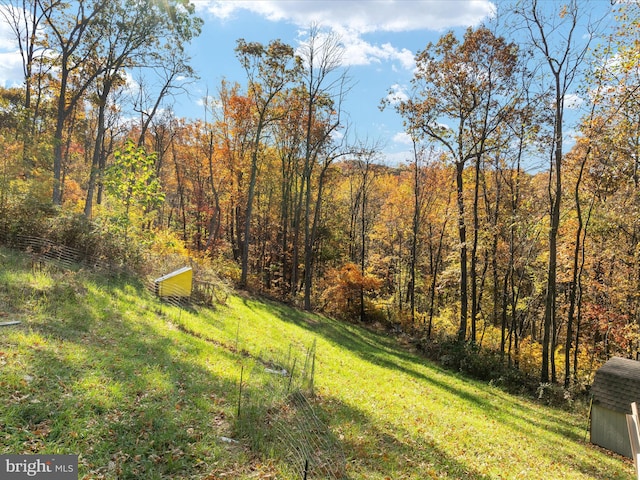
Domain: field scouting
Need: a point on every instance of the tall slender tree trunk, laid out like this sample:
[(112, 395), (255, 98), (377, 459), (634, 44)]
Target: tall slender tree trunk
[(253, 177), (180, 184), (363, 242), (216, 216), (573, 287), (555, 195), (434, 277), (285, 208), (58, 139), (474, 253), (415, 228), (95, 164), (308, 235), (246, 240), (295, 242), (462, 236), (312, 237)]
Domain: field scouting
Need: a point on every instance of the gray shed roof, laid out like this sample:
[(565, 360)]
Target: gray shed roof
[(617, 384)]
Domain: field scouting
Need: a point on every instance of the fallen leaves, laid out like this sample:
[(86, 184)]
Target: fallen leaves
[(42, 429)]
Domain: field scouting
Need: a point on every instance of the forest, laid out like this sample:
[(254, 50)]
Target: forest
[(464, 247)]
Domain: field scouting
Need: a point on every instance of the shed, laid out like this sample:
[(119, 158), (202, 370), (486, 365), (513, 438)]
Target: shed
[(615, 386), (176, 284)]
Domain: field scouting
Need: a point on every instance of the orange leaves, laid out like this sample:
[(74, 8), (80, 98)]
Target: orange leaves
[(563, 11), (610, 328), (351, 278), (344, 287)]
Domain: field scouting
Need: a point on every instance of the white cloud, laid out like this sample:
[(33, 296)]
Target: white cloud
[(573, 101), (397, 158), (406, 58), (362, 17), (11, 69), (132, 85), (359, 52), (397, 93), (352, 19), (402, 138), (10, 60), (7, 37)]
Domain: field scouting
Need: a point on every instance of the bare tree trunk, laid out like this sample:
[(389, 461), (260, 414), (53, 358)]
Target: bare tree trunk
[(98, 149), (573, 287), (551, 287), (462, 237), (415, 229), (246, 240), (474, 252), (434, 277), (555, 44)]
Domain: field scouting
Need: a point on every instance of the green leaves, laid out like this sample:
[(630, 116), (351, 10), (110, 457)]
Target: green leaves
[(135, 189), (132, 177)]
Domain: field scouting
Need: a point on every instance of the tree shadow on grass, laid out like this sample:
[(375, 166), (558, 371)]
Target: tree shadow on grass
[(133, 399), (497, 406), (375, 453)]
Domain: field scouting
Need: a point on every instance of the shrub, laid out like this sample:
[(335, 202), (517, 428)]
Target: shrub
[(30, 217), (342, 289), (480, 363), (72, 230)]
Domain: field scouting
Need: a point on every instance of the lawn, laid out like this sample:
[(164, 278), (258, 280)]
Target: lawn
[(142, 390)]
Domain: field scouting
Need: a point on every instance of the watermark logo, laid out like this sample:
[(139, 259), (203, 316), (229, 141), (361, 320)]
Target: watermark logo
[(39, 467)]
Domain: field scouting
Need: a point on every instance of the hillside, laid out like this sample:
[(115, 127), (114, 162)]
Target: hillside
[(140, 389)]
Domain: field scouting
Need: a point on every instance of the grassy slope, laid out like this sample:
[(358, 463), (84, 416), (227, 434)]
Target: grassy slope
[(143, 390)]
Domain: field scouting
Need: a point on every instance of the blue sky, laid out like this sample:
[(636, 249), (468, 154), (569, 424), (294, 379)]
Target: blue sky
[(380, 39)]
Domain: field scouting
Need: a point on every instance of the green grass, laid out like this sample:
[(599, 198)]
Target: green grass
[(143, 390)]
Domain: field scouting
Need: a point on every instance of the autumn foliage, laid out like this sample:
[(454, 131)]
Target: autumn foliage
[(345, 289)]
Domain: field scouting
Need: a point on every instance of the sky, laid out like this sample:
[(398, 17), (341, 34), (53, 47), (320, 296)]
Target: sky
[(380, 39)]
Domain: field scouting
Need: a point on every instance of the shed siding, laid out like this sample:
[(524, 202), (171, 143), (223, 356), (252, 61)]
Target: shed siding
[(615, 386), (176, 284), (609, 430)]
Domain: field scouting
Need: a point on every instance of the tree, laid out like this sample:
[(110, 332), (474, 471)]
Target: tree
[(132, 182), (170, 67), (128, 36), (463, 83), (269, 71), (365, 176), (343, 293), (288, 142), (603, 297), (323, 90), (68, 31), (418, 200), (101, 38), (25, 17), (554, 38), (519, 236), (232, 128)]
